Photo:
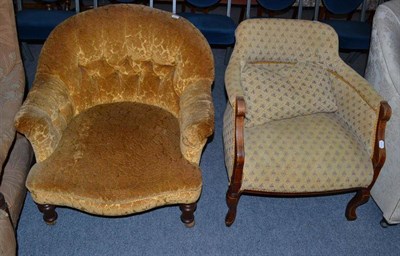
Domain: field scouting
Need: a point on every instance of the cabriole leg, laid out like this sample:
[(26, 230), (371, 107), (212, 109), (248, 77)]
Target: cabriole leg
[(361, 197)]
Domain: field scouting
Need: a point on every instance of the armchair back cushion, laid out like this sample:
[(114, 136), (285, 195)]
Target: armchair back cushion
[(275, 91)]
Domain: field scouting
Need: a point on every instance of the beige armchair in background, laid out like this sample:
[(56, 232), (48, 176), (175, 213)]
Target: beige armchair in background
[(383, 72), (15, 151), (119, 113), (299, 121)]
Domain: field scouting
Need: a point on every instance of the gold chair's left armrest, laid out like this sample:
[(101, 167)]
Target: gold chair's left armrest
[(45, 114), (196, 119)]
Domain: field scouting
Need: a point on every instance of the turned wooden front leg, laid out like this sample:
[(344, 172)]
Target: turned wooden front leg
[(49, 213), (187, 216)]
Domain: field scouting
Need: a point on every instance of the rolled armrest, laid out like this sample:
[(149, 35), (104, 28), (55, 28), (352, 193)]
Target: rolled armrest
[(45, 114), (196, 119)]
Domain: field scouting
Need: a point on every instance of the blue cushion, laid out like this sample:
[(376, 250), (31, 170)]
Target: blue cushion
[(37, 24), (217, 29), (276, 5), (341, 6), (126, 1), (353, 35), (202, 3)]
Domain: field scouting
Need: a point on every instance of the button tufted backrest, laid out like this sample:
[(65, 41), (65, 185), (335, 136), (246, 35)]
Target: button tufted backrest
[(126, 53)]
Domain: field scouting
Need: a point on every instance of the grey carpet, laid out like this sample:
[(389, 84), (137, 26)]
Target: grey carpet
[(264, 225)]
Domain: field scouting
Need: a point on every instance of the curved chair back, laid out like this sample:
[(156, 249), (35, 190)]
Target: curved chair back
[(275, 5), (202, 3), (147, 57), (342, 6), (254, 46)]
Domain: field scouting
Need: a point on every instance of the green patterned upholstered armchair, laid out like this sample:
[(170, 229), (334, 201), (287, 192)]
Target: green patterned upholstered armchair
[(119, 113), (299, 121)]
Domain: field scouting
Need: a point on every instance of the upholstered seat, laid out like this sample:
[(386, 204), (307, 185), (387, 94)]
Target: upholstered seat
[(281, 153), (299, 121), (117, 159), (119, 118)]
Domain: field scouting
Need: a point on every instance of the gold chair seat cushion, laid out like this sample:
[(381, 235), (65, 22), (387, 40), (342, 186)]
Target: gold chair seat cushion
[(312, 153), (275, 91), (117, 159)]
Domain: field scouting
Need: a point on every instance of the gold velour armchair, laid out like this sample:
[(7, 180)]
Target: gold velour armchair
[(119, 113), (299, 121)]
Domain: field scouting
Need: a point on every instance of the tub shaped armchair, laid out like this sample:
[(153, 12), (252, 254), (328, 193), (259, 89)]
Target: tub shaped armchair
[(119, 113), (299, 121)]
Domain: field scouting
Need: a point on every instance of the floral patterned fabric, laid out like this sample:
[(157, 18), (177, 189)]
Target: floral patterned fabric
[(170, 76), (304, 154)]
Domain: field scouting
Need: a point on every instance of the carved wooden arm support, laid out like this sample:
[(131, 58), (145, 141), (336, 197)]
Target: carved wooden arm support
[(379, 155), (237, 174)]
